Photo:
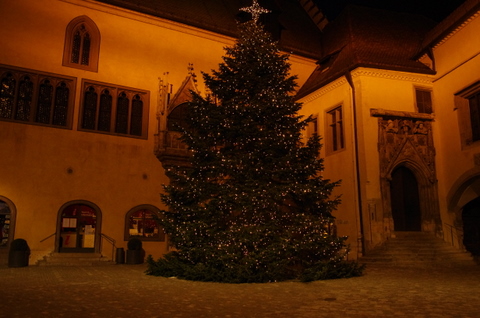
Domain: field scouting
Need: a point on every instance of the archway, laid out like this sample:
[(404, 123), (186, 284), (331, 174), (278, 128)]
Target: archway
[(405, 200), (471, 226), (7, 227), (78, 228)]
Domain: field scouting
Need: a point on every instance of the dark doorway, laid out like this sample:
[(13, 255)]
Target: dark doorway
[(471, 226), (405, 200), (77, 229)]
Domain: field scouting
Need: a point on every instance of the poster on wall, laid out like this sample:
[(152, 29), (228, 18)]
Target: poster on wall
[(69, 240), (69, 223)]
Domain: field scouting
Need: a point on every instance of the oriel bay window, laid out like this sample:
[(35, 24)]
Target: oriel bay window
[(34, 97), (114, 110)]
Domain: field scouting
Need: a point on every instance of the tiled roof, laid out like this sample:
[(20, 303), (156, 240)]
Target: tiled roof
[(456, 18), (299, 34), (366, 37)]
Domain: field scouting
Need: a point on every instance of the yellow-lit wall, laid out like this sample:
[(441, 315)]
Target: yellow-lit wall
[(361, 192), (115, 173), (338, 165), (457, 61)]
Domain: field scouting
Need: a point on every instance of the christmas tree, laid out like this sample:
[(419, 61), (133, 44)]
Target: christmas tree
[(252, 207)]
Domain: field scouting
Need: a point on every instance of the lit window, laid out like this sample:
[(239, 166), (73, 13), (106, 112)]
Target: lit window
[(5, 223), (141, 222), (335, 133), (114, 110), (82, 44), (34, 97), (423, 99)]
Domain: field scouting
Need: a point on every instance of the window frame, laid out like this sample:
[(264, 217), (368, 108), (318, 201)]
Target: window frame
[(161, 233), (313, 126), (37, 78), (115, 91), (94, 49), (463, 108), (419, 105), (335, 130)]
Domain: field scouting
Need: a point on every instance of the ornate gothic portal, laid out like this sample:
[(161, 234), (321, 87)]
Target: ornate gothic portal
[(407, 172)]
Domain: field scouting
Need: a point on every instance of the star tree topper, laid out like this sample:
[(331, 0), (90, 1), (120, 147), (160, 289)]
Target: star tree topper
[(255, 10)]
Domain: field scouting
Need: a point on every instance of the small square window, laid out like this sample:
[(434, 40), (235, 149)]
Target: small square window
[(335, 133), (423, 100), (467, 105)]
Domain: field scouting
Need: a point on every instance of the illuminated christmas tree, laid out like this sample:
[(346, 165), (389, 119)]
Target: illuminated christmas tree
[(252, 207)]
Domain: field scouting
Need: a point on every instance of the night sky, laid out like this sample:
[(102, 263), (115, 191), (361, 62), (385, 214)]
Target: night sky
[(434, 9)]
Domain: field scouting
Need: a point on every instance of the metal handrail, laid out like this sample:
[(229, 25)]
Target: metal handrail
[(111, 241), (452, 233), (48, 237)]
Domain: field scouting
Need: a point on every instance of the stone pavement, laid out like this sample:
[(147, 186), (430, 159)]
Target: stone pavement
[(125, 291)]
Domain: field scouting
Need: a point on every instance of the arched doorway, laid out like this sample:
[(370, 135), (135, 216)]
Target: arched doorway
[(5, 223), (7, 227), (405, 200), (79, 228), (471, 226)]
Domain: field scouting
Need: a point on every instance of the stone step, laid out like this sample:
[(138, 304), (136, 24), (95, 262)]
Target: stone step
[(417, 248), (74, 259)]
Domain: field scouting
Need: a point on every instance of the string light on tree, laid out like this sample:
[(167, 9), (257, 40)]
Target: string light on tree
[(255, 10), (252, 206)]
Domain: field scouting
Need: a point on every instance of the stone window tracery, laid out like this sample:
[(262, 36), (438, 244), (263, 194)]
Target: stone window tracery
[(105, 111), (114, 110), (82, 44), (24, 100), (34, 97), (7, 95)]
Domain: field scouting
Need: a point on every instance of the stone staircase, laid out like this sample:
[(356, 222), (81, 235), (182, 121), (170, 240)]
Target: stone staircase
[(416, 249), (74, 259)]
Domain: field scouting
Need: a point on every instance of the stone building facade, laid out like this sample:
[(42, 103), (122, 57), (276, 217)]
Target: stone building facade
[(90, 91)]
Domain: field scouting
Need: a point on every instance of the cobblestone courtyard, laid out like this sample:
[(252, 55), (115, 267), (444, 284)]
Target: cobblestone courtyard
[(125, 291)]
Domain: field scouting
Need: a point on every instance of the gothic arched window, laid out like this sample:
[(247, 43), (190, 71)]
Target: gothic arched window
[(24, 99), (44, 104), (137, 116), (109, 109), (32, 97), (60, 106), (7, 95), (82, 44), (89, 108), (122, 114), (105, 111)]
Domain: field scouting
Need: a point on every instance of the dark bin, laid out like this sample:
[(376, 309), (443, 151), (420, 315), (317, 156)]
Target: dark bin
[(120, 256)]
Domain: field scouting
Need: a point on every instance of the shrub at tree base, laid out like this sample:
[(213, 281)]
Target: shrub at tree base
[(173, 266), (252, 206)]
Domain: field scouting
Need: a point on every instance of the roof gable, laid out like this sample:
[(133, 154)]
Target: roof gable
[(366, 37)]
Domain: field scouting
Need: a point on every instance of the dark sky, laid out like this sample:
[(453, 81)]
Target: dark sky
[(434, 9)]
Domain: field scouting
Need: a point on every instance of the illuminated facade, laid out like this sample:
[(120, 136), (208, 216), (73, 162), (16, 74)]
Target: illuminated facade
[(90, 91)]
